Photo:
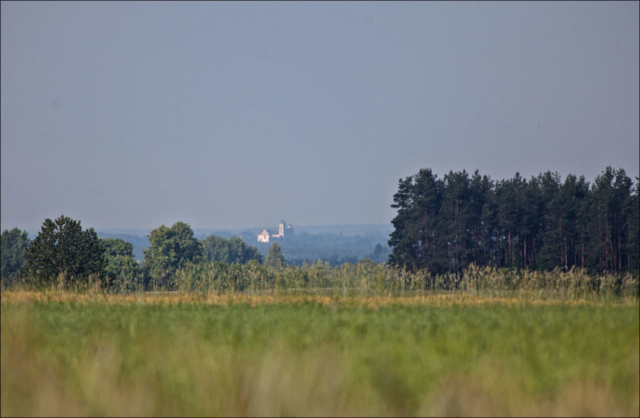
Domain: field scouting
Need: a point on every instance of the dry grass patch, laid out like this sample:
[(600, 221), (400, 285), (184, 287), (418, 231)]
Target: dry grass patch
[(374, 302)]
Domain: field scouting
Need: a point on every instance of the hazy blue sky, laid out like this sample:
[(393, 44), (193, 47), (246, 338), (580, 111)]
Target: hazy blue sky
[(133, 115)]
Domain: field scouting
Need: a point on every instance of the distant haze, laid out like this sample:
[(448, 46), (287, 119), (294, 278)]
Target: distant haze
[(233, 115)]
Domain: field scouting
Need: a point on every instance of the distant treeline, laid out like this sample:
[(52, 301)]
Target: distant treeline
[(333, 248), (336, 248), (444, 225), (64, 254), (62, 251), (298, 248), (139, 243)]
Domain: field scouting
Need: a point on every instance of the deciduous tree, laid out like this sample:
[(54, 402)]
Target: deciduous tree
[(170, 249), (232, 250), (121, 267)]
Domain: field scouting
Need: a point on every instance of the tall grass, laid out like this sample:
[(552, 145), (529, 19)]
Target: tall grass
[(301, 358), (366, 279), (379, 279)]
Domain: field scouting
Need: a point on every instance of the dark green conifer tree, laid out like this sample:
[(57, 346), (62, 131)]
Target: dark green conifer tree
[(14, 253), (275, 259), (62, 247)]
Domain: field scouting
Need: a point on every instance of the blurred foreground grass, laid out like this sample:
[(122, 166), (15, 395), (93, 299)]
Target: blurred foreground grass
[(186, 354)]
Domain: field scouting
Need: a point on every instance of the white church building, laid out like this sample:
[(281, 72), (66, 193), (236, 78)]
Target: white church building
[(265, 236)]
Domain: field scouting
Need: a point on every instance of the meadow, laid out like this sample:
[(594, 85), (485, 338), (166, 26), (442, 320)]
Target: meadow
[(273, 352)]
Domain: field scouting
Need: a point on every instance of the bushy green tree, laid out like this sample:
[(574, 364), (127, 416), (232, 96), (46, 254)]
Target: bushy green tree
[(62, 247), (170, 249), (14, 252), (121, 267), (232, 250), (275, 259)]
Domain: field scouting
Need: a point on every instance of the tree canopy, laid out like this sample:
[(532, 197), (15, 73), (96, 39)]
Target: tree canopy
[(14, 252), (275, 259), (233, 250), (62, 247), (443, 225), (170, 249), (121, 265)]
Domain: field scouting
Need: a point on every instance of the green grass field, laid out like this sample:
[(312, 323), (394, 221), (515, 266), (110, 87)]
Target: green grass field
[(454, 355)]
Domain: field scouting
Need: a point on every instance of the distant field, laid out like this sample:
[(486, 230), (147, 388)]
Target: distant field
[(437, 354)]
